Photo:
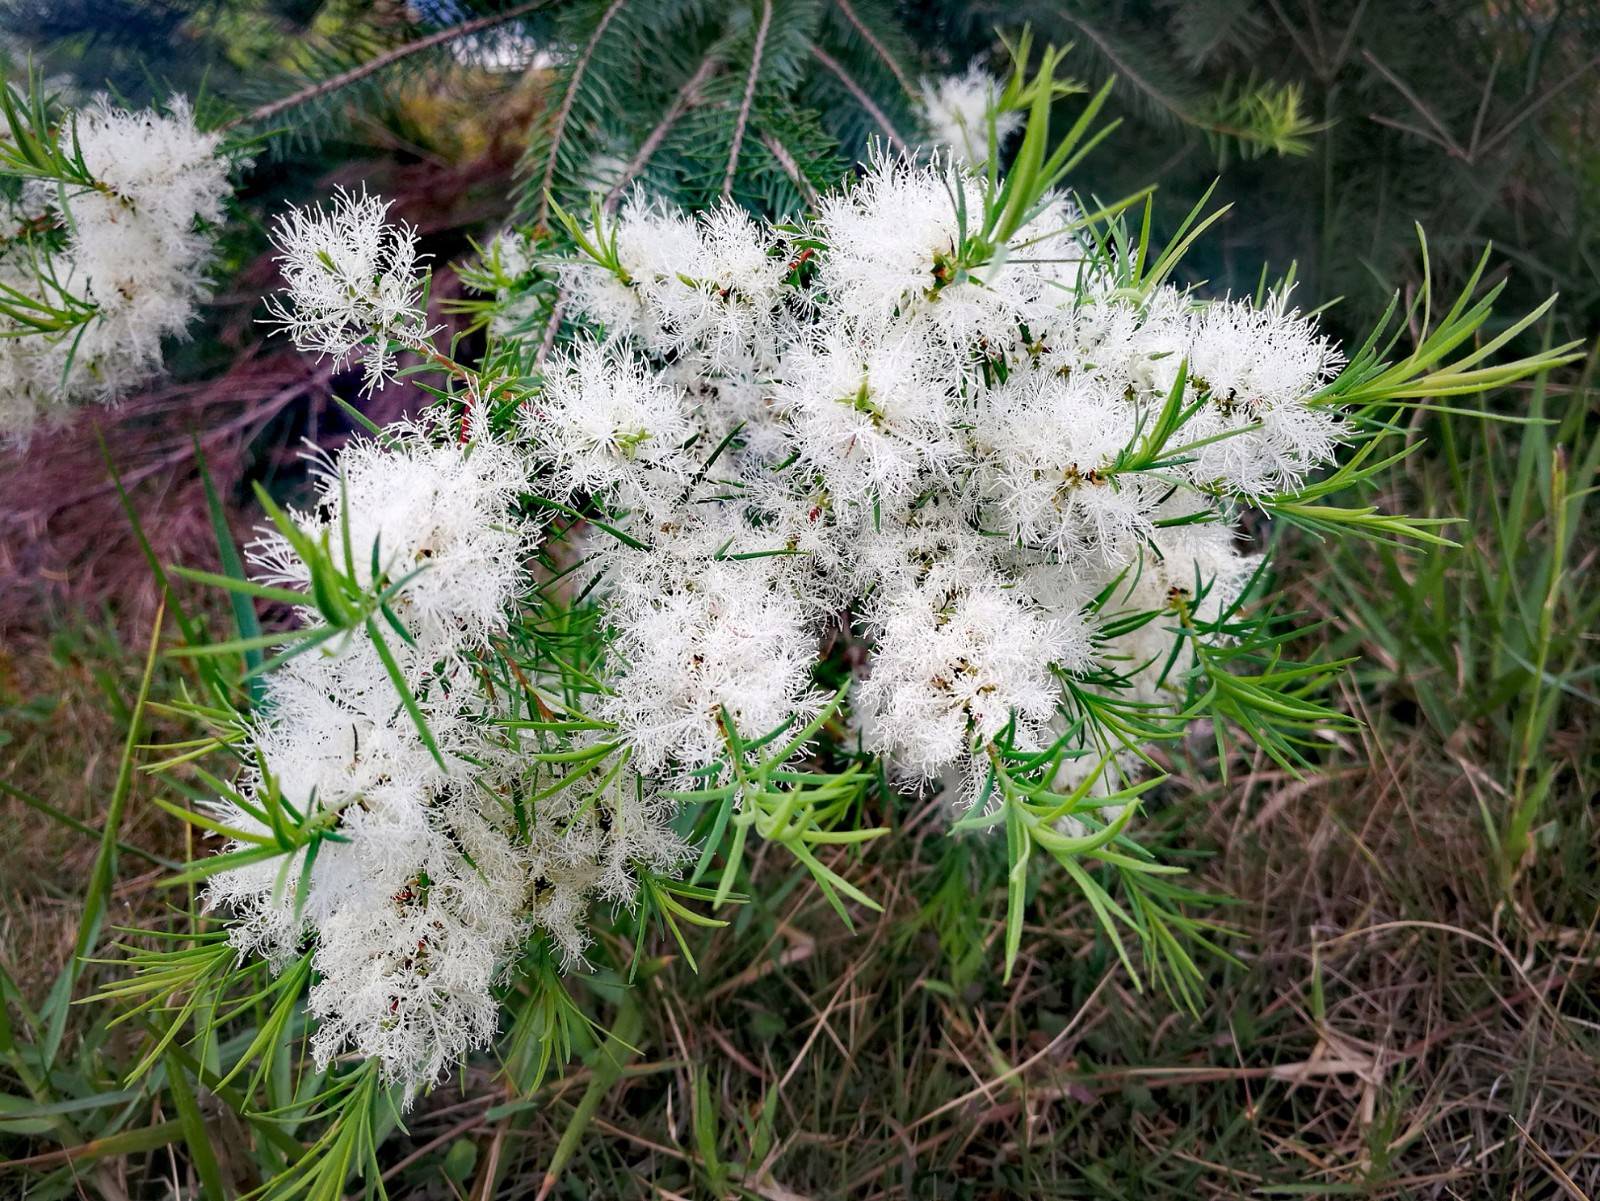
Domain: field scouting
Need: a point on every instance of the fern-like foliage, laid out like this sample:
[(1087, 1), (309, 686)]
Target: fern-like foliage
[(759, 101)]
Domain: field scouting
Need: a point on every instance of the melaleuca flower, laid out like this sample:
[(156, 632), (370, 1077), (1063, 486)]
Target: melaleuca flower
[(413, 901), (407, 962), (589, 848), (605, 421), (1049, 447), (887, 238), (130, 272), (654, 246), (159, 163), (1257, 369), (426, 512), (723, 639), (720, 302), (871, 414), (896, 249), (327, 744), (958, 662), (353, 283), (958, 109), (981, 466), (1192, 568)]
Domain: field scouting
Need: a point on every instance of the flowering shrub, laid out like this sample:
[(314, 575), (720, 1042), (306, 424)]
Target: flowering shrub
[(737, 532)]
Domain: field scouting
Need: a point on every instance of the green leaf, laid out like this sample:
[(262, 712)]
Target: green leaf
[(195, 1134), (246, 624)]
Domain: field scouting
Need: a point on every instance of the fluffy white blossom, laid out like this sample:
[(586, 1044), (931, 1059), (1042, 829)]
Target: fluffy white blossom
[(414, 899), (407, 963), (871, 414), (1049, 448), (722, 304), (1257, 368), (958, 664), (588, 846), (431, 514), (958, 108), (721, 638), (408, 935), (132, 268), (952, 438), (353, 283), (887, 237), (606, 421), (165, 168), (654, 244)]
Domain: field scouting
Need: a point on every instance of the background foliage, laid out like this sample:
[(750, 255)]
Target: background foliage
[(1412, 1006)]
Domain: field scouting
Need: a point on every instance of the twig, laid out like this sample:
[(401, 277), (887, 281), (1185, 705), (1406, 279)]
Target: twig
[(878, 47), (688, 96), (1535, 105), (267, 111), (749, 98), (860, 94), (790, 167), (559, 128), (1127, 70), (1444, 138), (450, 1135), (557, 311)]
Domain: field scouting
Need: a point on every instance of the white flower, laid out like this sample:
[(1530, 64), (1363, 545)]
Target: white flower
[(1095, 338), (654, 246), (1194, 562), (954, 665), (589, 846), (1259, 368), (327, 744), (895, 246), (166, 169), (412, 904), (422, 507), (722, 638), (406, 973), (925, 541), (958, 108), (720, 301), (870, 412), (1049, 446), (605, 421), (353, 282), (135, 256), (886, 237)]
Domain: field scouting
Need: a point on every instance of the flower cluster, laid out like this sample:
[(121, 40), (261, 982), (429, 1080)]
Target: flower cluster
[(417, 898), (429, 870), (967, 455), (105, 258), (988, 462), (944, 438)]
